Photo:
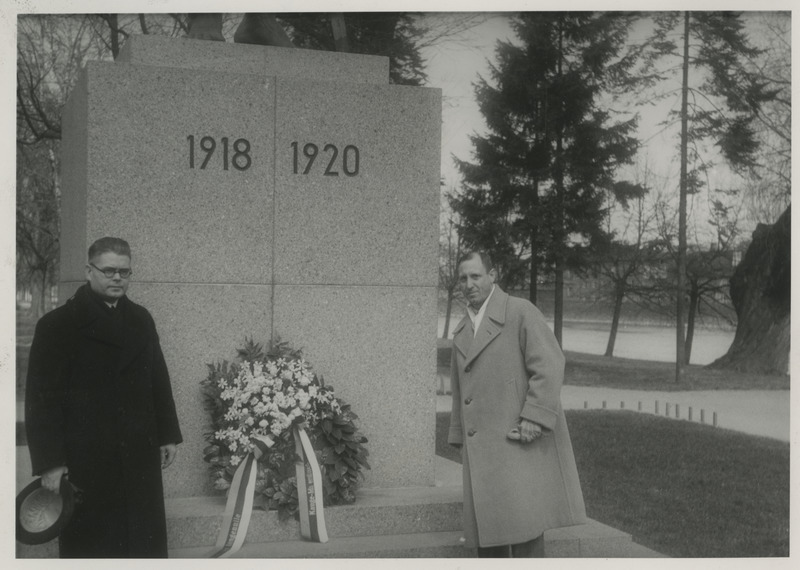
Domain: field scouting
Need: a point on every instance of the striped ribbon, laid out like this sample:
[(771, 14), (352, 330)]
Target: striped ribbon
[(239, 507), (309, 489)]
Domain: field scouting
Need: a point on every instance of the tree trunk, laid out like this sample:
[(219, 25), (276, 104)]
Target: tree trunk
[(558, 309), (761, 295), (447, 313), (36, 310), (680, 357), (533, 288), (694, 302), (113, 24), (558, 177), (619, 295)]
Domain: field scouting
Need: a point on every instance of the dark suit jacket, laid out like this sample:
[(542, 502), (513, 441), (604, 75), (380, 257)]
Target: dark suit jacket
[(99, 400)]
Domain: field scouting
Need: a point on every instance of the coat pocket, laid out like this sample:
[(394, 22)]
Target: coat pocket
[(516, 391)]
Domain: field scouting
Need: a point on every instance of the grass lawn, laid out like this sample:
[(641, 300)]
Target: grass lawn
[(680, 488), (594, 370)]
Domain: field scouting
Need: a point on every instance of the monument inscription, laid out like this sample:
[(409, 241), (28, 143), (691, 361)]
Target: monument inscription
[(241, 152), (349, 162)]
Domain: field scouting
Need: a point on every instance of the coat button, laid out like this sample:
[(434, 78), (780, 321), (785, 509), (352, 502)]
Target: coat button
[(468, 401), (471, 432), (468, 368)]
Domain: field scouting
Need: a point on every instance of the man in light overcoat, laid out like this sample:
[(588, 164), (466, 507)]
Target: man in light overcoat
[(519, 472)]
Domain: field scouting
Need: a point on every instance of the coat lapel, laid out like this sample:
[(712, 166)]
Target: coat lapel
[(94, 324), (463, 341), (491, 325)]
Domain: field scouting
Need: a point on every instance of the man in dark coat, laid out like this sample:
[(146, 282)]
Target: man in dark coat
[(99, 410)]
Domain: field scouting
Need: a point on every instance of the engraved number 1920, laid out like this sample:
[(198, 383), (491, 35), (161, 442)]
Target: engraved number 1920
[(350, 160), (240, 158)]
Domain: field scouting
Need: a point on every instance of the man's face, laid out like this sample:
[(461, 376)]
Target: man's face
[(475, 281), (109, 288)]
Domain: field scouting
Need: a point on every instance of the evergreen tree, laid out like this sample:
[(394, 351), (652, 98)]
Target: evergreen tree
[(534, 197)]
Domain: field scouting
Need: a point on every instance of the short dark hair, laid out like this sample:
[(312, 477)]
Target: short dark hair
[(486, 259), (112, 244)]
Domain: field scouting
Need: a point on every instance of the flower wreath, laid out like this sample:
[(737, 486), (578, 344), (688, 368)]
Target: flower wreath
[(266, 394)]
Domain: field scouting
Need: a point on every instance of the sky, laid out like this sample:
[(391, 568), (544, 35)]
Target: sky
[(454, 67)]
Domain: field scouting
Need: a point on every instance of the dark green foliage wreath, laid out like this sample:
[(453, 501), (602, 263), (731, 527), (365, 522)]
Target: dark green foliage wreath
[(329, 422)]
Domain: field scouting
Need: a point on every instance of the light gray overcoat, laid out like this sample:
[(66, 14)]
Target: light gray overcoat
[(512, 368)]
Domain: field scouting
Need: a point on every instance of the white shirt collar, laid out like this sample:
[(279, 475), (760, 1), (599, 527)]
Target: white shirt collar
[(477, 317)]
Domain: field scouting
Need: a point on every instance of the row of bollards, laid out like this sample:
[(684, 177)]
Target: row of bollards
[(667, 411)]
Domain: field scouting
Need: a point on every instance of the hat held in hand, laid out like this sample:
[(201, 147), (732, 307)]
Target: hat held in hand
[(42, 514)]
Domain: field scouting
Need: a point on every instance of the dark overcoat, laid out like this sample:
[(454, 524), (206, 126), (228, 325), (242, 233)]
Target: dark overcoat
[(513, 368), (99, 400)]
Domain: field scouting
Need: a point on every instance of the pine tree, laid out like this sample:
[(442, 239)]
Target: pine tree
[(541, 174)]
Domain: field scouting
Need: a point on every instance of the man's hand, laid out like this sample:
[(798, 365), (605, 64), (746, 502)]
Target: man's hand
[(51, 479), (529, 431), (168, 453)]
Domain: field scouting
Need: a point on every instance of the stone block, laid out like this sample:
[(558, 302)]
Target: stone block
[(378, 227), (184, 224), (228, 57), (374, 346), (74, 179), (199, 325)]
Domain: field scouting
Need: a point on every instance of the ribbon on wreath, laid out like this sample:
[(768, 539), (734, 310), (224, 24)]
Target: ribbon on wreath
[(309, 488), (239, 507)]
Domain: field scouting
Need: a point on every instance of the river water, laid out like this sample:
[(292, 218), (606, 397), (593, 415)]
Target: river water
[(637, 342)]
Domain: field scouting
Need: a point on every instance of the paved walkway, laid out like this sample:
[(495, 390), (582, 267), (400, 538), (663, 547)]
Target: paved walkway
[(757, 412)]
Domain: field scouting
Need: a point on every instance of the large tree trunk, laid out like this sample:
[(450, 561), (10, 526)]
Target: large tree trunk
[(761, 295)]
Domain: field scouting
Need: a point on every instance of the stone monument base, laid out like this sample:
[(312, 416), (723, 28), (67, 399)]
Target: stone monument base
[(407, 522)]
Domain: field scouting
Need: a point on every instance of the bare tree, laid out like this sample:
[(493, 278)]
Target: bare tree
[(50, 52), (769, 192), (632, 248)]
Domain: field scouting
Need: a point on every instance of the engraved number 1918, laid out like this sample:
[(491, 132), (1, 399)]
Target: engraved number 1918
[(239, 159)]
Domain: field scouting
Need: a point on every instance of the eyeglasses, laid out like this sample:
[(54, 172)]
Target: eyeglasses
[(109, 272)]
